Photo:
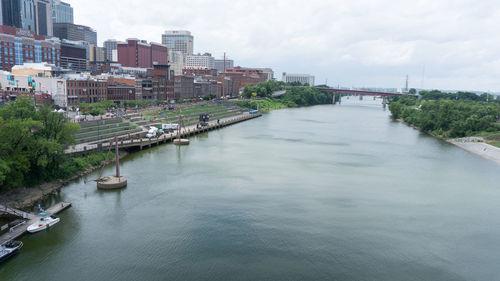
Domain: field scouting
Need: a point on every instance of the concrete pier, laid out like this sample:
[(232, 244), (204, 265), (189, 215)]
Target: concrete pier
[(112, 182), (181, 141)]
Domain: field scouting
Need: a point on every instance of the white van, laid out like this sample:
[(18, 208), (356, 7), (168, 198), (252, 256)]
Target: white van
[(152, 133)]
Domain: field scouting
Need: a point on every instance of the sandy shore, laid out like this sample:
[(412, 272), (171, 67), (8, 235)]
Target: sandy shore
[(480, 148)]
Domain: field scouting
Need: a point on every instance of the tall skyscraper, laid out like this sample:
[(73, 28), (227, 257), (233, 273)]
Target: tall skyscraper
[(62, 12), (44, 17), (110, 45), (18, 13), (178, 40)]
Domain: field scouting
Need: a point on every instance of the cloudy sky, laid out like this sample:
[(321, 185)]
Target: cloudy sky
[(443, 44)]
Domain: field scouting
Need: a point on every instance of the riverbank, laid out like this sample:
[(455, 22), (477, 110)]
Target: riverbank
[(482, 149), (22, 198), (25, 198)]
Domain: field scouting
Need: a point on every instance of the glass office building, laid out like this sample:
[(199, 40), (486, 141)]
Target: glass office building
[(178, 41), (62, 12)]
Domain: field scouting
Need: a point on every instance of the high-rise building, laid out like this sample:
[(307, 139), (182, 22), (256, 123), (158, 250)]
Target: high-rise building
[(75, 32), (178, 40), (301, 78), (206, 60), (62, 12), (100, 54), (110, 45), (219, 65), (44, 17), (97, 54), (138, 53), (176, 61), (18, 13)]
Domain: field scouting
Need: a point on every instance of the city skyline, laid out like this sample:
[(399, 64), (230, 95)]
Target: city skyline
[(349, 43)]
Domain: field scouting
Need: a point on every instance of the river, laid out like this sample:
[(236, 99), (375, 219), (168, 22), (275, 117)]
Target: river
[(318, 193)]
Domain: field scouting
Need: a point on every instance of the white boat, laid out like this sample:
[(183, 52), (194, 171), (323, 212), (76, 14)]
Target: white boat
[(44, 223), (9, 249)]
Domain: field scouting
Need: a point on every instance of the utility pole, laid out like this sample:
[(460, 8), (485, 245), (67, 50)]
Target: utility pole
[(406, 88), (224, 77), (117, 157)]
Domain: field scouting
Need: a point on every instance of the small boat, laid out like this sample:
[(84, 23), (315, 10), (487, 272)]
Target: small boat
[(47, 220), (9, 249)]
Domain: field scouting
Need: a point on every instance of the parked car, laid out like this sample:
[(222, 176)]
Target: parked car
[(169, 128)]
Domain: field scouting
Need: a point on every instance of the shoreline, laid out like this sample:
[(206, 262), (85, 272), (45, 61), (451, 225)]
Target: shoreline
[(23, 198), (483, 149)]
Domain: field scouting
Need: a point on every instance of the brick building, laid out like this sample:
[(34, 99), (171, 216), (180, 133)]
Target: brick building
[(138, 53), (199, 71), (121, 89), (86, 90), (183, 87), (236, 81), (203, 88), (20, 45), (250, 72)]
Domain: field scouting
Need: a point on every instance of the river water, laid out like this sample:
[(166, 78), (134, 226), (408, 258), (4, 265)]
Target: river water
[(317, 193)]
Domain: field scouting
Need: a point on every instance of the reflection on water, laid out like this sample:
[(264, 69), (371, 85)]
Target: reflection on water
[(320, 193)]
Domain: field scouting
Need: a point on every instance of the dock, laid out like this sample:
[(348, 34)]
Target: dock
[(17, 231), (141, 142)]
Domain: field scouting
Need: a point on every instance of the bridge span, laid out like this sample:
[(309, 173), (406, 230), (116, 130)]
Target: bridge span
[(359, 92)]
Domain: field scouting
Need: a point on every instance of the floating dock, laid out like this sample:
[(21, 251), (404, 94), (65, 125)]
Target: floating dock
[(17, 231)]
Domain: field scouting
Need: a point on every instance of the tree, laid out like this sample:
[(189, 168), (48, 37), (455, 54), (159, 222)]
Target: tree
[(412, 91), (31, 143)]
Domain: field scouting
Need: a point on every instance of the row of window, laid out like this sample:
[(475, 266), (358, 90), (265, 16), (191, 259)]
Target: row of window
[(83, 84), (29, 53), (91, 92)]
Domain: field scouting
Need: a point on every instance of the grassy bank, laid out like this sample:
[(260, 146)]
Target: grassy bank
[(265, 105), (495, 143), (73, 166)]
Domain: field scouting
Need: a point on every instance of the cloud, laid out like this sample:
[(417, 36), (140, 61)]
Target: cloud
[(356, 42)]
